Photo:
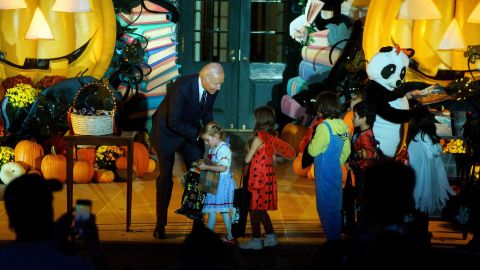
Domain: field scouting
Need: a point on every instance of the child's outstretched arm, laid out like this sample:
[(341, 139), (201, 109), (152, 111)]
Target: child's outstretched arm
[(214, 168), (253, 148)]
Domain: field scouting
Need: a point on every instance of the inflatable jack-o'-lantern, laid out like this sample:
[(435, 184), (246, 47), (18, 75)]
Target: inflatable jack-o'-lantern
[(424, 36), (56, 37)]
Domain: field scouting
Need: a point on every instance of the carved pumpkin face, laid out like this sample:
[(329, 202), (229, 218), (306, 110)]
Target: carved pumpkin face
[(82, 38), (424, 36)]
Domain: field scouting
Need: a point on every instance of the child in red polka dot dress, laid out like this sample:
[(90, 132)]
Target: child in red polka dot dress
[(262, 183)]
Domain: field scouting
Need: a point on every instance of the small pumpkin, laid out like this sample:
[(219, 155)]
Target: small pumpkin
[(297, 166), (152, 164), (121, 163), (54, 166), (10, 171), (82, 172), (29, 154), (311, 172), (87, 154), (293, 133), (104, 176), (35, 171), (140, 158)]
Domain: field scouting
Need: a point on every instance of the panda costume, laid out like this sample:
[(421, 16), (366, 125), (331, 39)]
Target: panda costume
[(387, 70)]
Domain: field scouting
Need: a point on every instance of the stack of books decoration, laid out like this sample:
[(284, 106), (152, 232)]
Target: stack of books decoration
[(159, 35), (321, 48)]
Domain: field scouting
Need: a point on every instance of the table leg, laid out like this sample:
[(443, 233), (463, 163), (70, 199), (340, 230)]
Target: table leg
[(69, 177), (129, 183)]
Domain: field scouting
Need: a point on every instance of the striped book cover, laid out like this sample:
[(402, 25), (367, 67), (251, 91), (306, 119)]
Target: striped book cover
[(151, 31), (161, 66), (320, 56), (152, 44), (143, 18), (296, 85), (313, 73), (163, 78), (156, 56), (318, 39)]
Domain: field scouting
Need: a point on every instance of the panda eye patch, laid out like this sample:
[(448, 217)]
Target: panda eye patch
[(388, 70), (403, 72)]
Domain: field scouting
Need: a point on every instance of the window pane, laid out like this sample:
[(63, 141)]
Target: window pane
[(267, 48), (211, 24), (268, 31)]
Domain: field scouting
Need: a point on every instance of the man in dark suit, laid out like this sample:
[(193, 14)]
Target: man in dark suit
[(175, 127)]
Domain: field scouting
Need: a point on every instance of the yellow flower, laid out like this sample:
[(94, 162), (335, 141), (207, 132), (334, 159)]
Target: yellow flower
[(106, 155), (21, 95), (7, 154)]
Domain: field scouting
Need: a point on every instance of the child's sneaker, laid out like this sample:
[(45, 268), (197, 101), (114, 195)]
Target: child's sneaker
[(270, 240), (254, 243), (227, 241)]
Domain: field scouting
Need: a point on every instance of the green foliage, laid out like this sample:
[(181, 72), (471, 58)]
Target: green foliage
[(310, 29)]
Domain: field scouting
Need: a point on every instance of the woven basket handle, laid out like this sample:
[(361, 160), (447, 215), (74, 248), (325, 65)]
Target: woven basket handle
[(69, 119)]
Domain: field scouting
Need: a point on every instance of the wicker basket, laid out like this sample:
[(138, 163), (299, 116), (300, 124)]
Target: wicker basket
[(92, 124)]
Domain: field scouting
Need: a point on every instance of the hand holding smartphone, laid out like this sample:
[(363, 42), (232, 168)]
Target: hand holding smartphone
[(83, 211)]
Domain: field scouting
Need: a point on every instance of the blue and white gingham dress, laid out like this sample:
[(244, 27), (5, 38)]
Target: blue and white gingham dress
[(223, 200)]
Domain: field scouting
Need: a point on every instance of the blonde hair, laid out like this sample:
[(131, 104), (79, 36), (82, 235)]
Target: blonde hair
[(212, 128)]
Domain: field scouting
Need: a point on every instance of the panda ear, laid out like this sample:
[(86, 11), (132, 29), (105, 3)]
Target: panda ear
[(386, 49), (409, 52)]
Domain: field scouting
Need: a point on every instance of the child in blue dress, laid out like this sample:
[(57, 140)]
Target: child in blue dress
[(220, 154)]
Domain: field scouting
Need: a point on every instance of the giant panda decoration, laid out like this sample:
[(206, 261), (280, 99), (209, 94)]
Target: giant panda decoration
[(386, 71)]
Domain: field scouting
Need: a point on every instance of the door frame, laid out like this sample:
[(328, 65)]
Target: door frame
[(226, 106)]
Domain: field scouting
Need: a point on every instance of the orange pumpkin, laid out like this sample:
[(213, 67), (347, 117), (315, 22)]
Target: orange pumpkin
[(29, 154), (87, 154), (81, 40), (34, 171), (104, 176), (140, 158), (54, 166), (384, 24), (297, 166), (152, 164), (293, 134), (82, 172), (311, 172), (121, 163)]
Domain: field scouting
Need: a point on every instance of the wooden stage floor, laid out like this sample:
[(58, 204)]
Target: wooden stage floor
[(296, 221)]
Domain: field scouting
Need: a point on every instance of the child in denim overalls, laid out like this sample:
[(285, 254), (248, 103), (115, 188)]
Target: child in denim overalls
[(330, 148)]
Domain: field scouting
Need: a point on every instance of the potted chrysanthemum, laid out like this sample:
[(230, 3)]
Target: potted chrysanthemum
[(106, 155), (19, 99)]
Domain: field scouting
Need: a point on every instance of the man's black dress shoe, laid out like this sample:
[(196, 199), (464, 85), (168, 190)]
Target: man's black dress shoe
[(159, 232)]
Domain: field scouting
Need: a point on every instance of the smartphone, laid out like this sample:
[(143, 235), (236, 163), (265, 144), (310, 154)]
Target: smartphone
[(83, 210)]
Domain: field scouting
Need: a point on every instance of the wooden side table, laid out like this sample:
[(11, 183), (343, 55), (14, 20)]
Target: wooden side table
[(125, 138)]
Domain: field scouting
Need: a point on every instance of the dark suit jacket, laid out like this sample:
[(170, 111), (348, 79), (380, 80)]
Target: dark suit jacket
[(178, 117)]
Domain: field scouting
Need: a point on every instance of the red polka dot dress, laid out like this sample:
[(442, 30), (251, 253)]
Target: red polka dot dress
[(262, 181)]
